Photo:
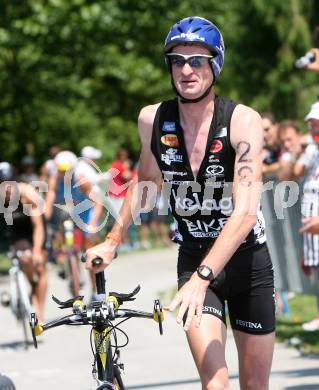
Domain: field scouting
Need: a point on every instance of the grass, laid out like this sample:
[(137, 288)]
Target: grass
[(5, 264), (303, 308)]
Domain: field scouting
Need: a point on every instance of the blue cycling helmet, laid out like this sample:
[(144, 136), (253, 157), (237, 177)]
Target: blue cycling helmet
[(202, 32)]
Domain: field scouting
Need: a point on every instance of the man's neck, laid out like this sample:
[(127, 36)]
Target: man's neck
[(192, 115)]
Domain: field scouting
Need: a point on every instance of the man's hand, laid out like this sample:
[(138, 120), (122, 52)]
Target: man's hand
[(37, 256), (314, 66), (310, 225), (106, 251), (191, 299)]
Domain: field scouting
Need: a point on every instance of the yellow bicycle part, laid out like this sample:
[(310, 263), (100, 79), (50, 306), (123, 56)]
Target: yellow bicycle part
[(155, 316), (101, 340), (38, 329), (111, 298)]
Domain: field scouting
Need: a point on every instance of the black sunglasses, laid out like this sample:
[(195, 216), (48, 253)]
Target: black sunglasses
[(193, 60)]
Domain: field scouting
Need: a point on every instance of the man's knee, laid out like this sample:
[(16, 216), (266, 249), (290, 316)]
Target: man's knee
[(255, 383), (255, 377)]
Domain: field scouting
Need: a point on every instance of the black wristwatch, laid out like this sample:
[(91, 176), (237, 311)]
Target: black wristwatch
[(205, 272)]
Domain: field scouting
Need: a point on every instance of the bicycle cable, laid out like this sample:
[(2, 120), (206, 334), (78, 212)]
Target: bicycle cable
[(112, 330)]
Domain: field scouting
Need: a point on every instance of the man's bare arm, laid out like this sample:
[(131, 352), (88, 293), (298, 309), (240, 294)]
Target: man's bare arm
[(31, 198), (147, 171), (247, 140), (50, 196)]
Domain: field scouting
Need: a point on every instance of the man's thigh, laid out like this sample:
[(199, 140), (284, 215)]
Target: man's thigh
[(207, 344), (255, 353)]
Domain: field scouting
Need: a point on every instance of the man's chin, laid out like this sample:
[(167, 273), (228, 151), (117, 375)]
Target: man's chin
[(189, 94)]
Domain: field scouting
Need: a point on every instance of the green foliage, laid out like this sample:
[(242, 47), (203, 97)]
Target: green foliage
[(77, 72), (303, 309)]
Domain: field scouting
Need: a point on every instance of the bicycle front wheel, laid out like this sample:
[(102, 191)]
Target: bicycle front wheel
[(117, 381), (6, 383)]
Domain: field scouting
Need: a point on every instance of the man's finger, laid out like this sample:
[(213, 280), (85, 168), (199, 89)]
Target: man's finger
[(199, 314), (181, 312), (190, 316), (175, 302)]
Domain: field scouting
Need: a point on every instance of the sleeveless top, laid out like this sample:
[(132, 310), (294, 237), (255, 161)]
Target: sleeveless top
[(19, 228), (200, 205)]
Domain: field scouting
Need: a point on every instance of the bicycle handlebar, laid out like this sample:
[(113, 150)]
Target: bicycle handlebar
[(99, 314)]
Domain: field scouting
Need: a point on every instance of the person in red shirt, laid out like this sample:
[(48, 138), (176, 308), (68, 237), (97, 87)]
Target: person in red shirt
[(122, 175)]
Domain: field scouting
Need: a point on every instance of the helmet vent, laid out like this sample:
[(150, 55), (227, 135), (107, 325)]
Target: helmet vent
[(196, 29), (180, 29)]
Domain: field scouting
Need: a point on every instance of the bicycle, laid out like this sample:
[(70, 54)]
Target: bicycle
[(100, 315), (66, 237), (72, 257), (19, 298)]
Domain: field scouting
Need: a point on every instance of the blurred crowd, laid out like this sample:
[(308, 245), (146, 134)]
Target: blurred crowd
[(291, 153), (69, 194)]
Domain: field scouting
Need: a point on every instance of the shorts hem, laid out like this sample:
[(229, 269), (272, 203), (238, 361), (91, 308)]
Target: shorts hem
[(255, 332), (217, 316)]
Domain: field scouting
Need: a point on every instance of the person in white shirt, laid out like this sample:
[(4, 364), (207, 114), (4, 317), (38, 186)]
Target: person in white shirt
[(308, 166)]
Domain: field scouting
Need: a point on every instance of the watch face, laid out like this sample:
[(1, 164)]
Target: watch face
[(205, 271)]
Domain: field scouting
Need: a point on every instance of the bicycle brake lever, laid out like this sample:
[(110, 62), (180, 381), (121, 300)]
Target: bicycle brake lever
[(125, 297), (67, 304)]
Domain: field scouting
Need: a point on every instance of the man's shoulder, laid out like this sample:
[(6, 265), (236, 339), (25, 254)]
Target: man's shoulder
[(243, 112), (145, 121), (147, 113), (245, 125)]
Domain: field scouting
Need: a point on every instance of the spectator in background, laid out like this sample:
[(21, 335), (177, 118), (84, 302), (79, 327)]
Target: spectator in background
[(293, 144), (271, 149), (28, 173), (86, 170), (48, 169), (122, 173), (88, 178), (314, 66), (122, 167), (308, 166)]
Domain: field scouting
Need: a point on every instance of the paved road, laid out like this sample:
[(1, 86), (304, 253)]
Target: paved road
[(63, 359)]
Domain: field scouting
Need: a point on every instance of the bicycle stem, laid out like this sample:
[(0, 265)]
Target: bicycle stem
[(100, 282)]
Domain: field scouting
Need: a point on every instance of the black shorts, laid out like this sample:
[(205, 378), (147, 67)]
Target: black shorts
[(246, 283)]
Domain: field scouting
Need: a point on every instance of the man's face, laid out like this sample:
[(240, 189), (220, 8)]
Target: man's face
[(270, 133), (192, 81), (313, 126), (290, 140)]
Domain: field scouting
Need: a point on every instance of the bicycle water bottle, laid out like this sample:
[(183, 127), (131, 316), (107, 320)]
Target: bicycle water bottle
[(68, 232), (305, 60)]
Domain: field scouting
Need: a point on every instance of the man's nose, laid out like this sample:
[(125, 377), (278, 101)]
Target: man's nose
[(187, 69)]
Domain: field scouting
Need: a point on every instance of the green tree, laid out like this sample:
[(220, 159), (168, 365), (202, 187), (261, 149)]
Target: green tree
[(77, 72)]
